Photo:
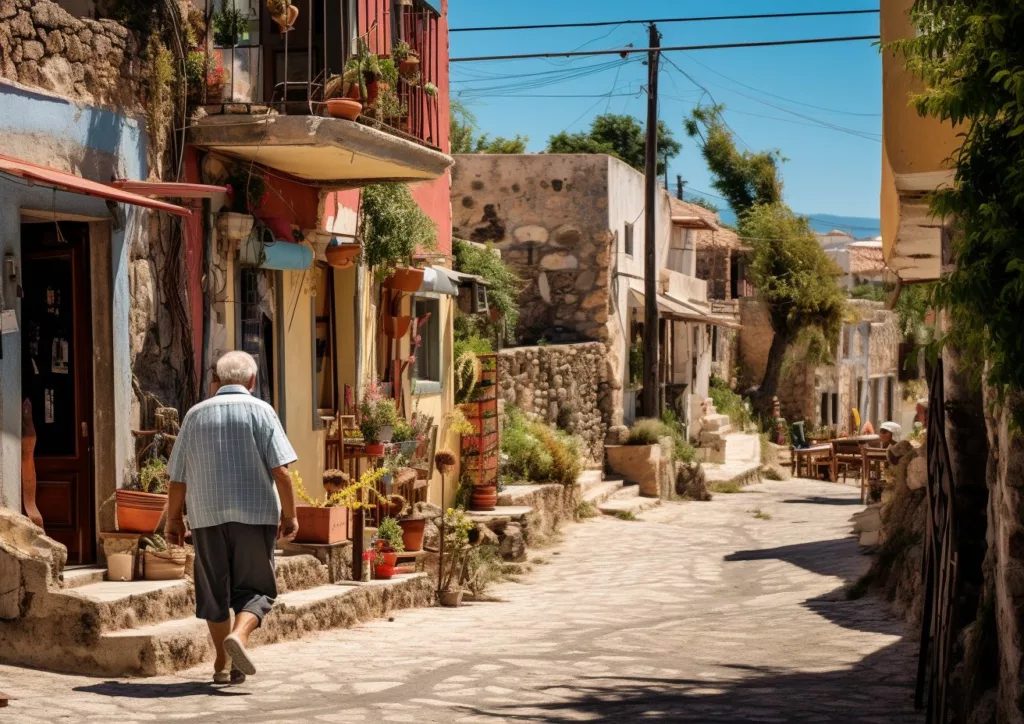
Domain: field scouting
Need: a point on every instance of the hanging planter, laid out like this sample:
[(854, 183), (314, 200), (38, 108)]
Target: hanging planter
[(345, 108), (283, 13), (397, 327), (410, 67), (405, 280), (342, 256), (234, 227)]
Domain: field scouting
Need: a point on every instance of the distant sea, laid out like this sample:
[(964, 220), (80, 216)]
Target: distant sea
[(861, 227)]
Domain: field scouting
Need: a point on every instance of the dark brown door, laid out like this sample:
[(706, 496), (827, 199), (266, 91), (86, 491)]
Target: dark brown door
[(57, 378)]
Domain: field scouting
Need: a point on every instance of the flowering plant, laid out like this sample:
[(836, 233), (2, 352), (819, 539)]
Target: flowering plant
[(376, 411)]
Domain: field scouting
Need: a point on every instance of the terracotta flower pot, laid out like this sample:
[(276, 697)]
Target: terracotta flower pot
[(322, 525), (373, 88), (397, 327), (346, 108), (450, 599), (383, 572), (409, 67), (390, 558), (405, 280), (139, 512), (412, 534), (342, 256), (374, 449), (483, 497)]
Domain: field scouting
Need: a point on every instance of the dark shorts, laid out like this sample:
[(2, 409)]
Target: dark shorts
[(234, 570)]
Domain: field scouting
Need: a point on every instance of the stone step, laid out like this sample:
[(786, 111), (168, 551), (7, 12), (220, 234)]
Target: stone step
[(171, 646), (733, 473), (116, 605), (626, 492), (634, 504), (715, 422), (742, 447), (597, 494), (589, 479), (78, 577)]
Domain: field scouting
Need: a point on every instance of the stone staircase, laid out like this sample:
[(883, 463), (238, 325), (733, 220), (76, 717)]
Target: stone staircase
[(148, 628), (612, 496), (728, 455)]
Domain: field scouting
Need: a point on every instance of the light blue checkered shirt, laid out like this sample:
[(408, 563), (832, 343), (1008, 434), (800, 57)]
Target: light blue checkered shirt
[(225, 451)]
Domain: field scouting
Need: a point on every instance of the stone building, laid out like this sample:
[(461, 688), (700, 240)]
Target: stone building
[(860, 259), (865, 375), (572, 226)]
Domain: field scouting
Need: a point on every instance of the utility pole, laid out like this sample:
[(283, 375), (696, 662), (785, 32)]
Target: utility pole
[(649, 398)]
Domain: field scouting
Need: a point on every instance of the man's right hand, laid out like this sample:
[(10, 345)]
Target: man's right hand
[(174, 532), (288, 529)]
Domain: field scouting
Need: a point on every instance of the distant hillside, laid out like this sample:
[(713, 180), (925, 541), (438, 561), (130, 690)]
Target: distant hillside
[(859, 226)]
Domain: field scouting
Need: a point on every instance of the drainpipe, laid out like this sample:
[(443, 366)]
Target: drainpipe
[(204, 373), (358, 342)]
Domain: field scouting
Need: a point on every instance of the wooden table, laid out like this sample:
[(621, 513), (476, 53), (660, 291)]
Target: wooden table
[(809, 458)]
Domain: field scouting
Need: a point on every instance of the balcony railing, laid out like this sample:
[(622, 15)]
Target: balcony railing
[(251, 63)]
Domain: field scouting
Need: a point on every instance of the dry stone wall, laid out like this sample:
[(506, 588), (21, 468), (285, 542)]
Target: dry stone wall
[(565, 385), (95, 62)]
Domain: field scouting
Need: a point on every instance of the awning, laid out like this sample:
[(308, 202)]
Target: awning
[(438, 280), (463, 278), (692, 222), (673, 308), (79, 185), (168, 189)]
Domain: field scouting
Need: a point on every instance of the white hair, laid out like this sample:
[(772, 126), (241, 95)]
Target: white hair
[(236, 368)]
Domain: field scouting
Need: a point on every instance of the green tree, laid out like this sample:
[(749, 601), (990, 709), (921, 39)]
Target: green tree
[(620, 136), (463, 128), (500, 144), (970, 56), (703, 203), (795, 280)]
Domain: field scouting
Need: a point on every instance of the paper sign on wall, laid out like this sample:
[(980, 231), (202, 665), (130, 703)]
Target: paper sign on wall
[(48, 406), (8, 322)]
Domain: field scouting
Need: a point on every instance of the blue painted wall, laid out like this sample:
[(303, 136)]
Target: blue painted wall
[(94, 143)]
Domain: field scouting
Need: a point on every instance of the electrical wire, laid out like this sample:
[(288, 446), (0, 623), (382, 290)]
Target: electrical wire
[(700, 19), (669, 49)]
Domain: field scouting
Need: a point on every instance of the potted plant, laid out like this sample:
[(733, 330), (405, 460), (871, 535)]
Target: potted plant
[(408, 60), (389, 545), (340, 255), (335, 481), (430, 89), (405, 436), (283, 13), (162, 562), (641, 459), (335, 101), (453, 565), (230, 25), (378, 415), (140, 504), (247, 188), (392, 228), (361, 75), (326, 520)]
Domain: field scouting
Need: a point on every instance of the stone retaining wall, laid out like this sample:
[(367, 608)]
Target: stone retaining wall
[(565, 385), (95, 62)]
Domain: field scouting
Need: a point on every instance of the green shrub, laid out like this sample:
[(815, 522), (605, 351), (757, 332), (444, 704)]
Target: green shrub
[(647, 431), (537, 452), (465, 351), (729, 403), (771, 473), (503, 284), (392, 227)]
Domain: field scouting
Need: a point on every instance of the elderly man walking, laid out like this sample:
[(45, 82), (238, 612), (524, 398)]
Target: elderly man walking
[(229, 465)]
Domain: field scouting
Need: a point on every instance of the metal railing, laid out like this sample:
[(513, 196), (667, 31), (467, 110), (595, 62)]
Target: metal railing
[(288, 70)]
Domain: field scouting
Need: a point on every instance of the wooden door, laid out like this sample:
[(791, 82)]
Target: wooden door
[(57, 378)]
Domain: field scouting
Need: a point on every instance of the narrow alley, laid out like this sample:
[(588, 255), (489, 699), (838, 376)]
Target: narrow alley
[(727, 611)]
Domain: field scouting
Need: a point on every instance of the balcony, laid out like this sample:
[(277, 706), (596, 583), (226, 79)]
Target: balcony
[(266, 90)]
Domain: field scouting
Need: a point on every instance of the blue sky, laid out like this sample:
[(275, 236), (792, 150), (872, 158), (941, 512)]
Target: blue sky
[(829, 171)]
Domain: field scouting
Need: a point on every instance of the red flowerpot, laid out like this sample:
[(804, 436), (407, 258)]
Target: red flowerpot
[(374, 449), (139, 512), (373, 88), (405, 280), (344, 108), (483, 497), (412, 534), (321, 525), (383, 572), (396, 327), (390, 558)]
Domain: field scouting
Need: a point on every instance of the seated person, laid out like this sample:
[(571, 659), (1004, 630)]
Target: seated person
[(888, 434)]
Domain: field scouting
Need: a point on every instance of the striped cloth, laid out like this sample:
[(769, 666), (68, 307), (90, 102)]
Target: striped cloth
[(224, 453)]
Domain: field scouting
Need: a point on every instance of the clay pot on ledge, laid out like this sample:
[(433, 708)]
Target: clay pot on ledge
[(483, 497), (345, 108), (373, 449), (412, 533), (325, 526), (405, 280), (342, 256), (139, 512)]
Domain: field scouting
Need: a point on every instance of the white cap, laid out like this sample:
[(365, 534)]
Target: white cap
[(892, 427)]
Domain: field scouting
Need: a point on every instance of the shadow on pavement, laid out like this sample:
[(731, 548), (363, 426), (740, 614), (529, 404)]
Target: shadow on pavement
[(870, 614), (153, 690), (837, 557), (868, 692), (816, 500)]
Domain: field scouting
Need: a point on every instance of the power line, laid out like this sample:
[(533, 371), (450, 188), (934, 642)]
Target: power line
[(699, 19), (628, 51)]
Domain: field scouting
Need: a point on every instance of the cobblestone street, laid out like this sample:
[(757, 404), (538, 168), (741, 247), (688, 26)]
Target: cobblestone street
[(725, 611)]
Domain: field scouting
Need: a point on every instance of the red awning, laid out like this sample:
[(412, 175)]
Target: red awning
[(168, 189), (79, 185)]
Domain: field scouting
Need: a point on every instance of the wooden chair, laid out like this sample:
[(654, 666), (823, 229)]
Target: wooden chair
[(423, 464), (846, 454), (874, 462)]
